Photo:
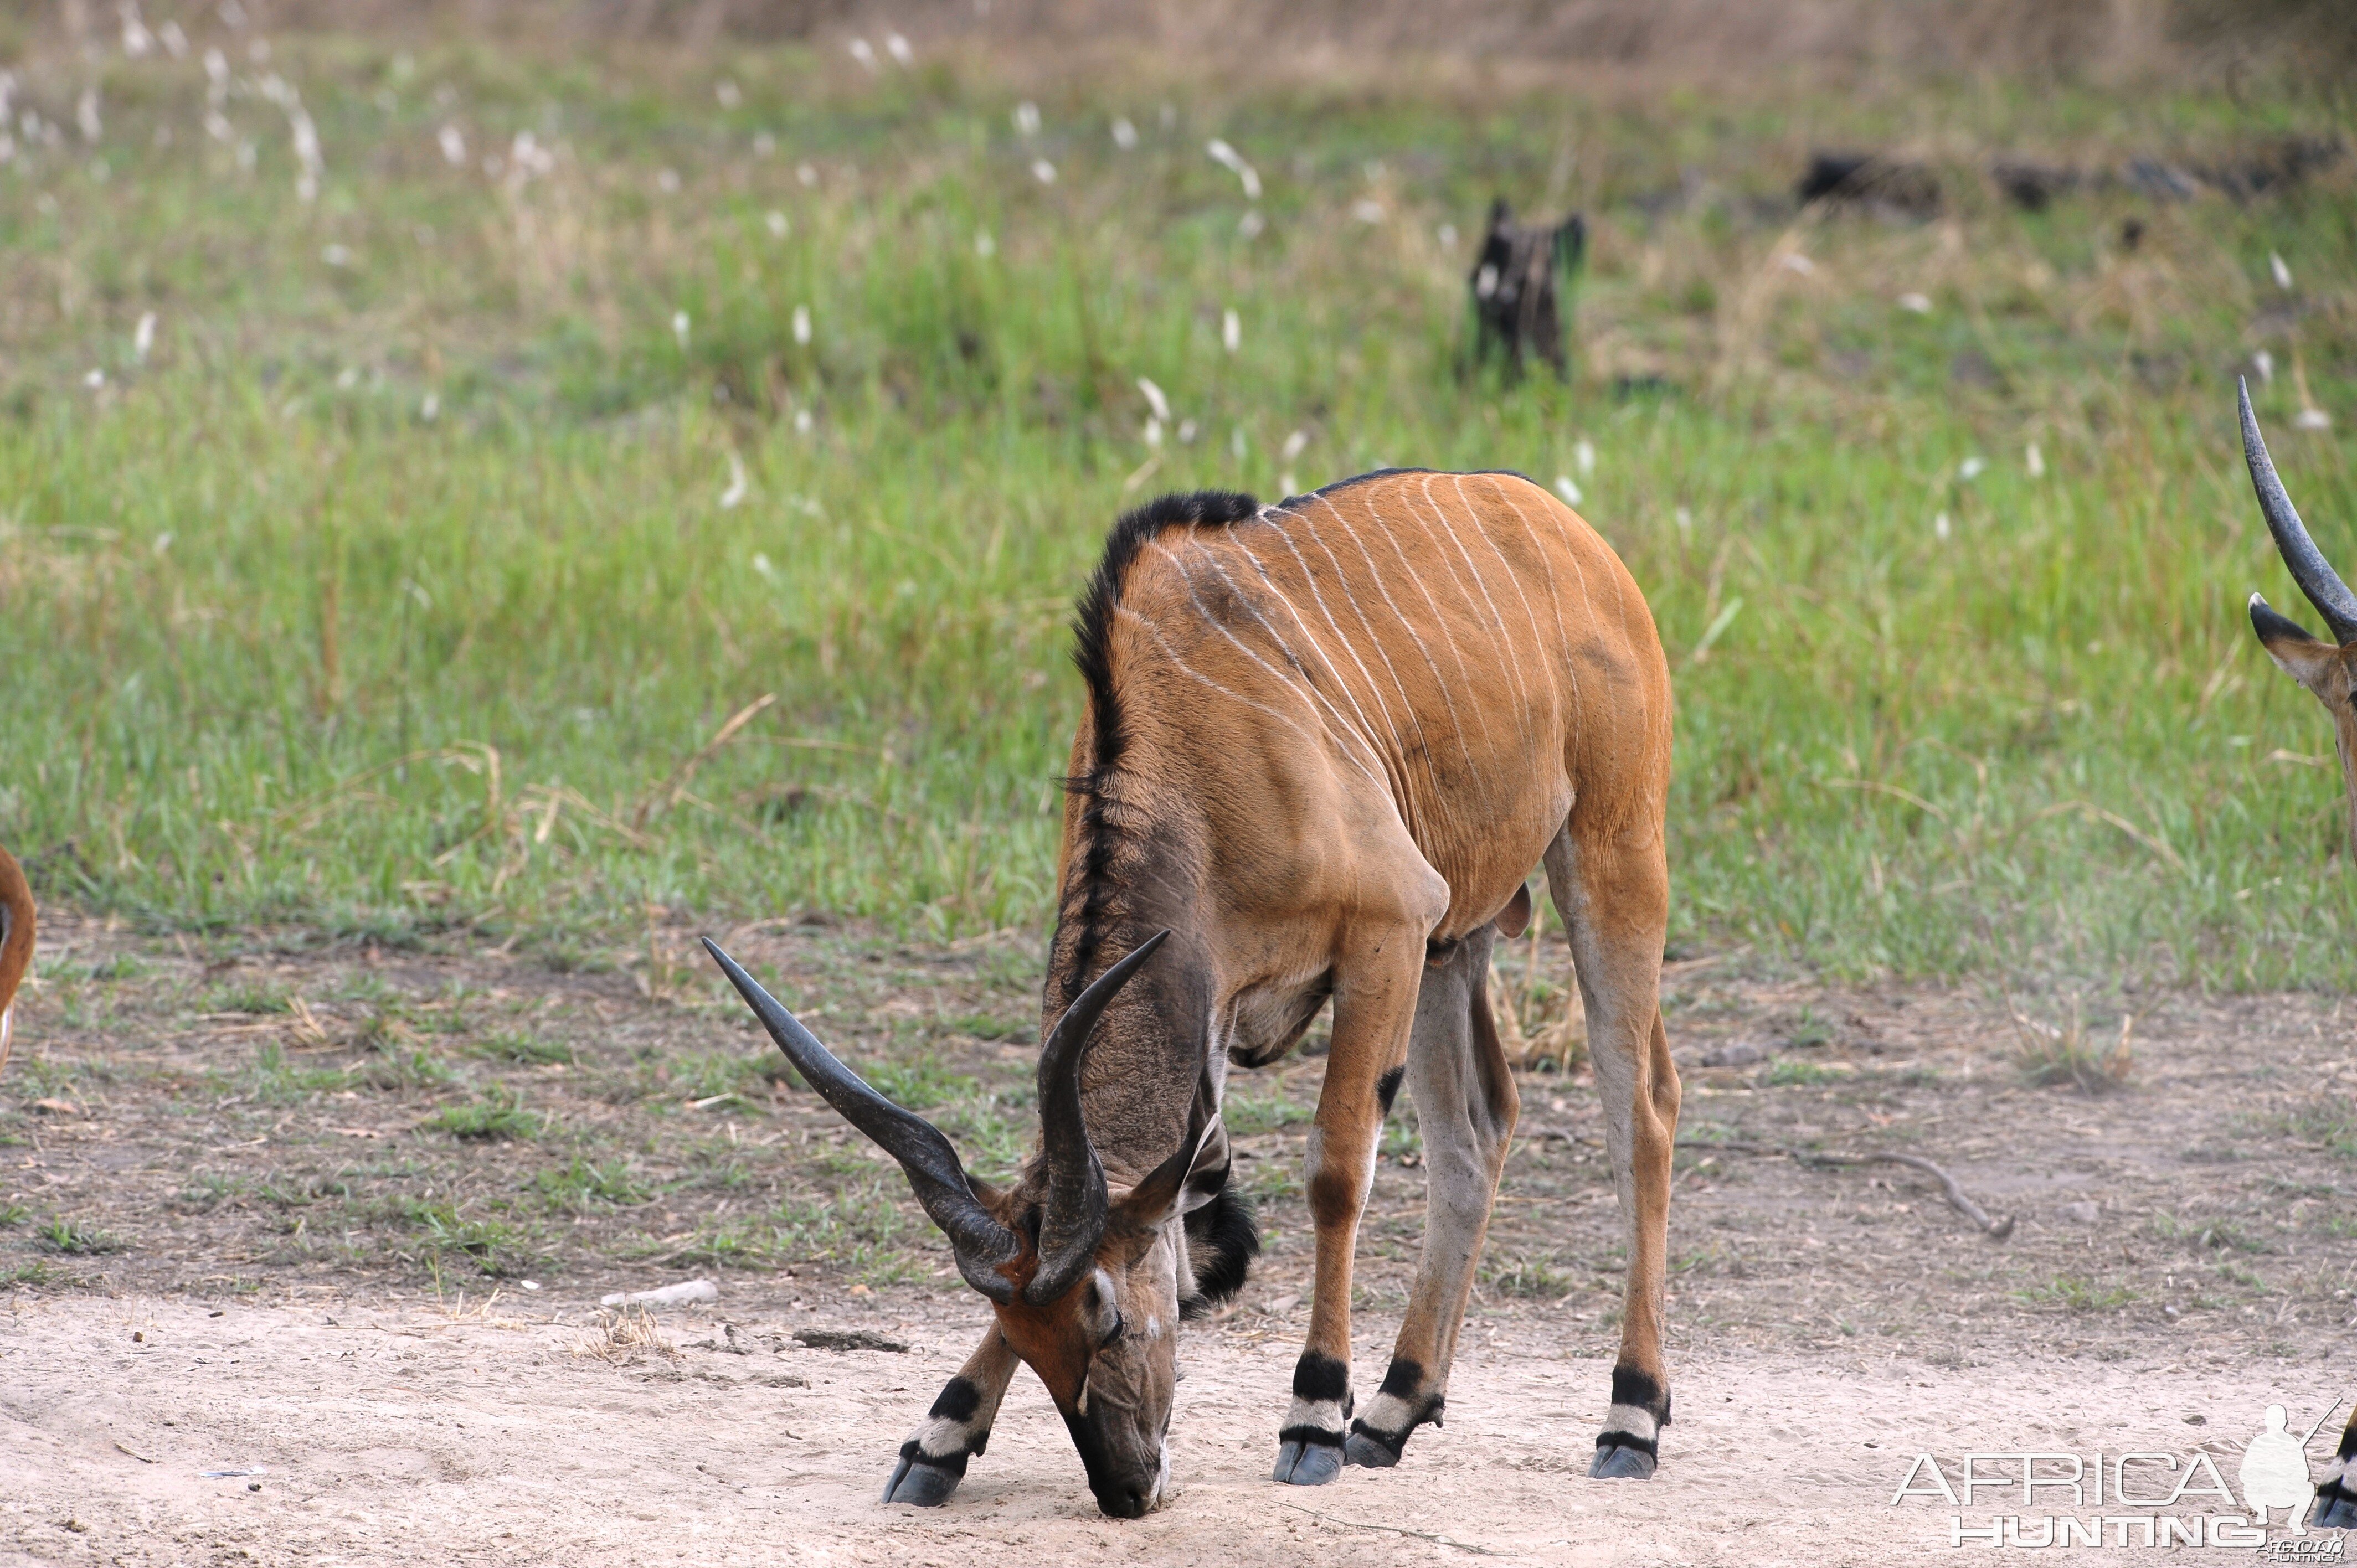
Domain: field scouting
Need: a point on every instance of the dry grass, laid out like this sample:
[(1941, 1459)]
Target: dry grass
[(625, 1334), (2054, 1057)]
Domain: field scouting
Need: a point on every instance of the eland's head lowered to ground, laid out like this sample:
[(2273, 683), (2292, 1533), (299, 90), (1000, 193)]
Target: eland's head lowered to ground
[(2329, 670), (1088, 1285)]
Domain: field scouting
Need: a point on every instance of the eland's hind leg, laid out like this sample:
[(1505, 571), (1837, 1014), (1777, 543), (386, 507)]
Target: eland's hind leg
[(932, 1461), (1465, 1110), (1611, 886)]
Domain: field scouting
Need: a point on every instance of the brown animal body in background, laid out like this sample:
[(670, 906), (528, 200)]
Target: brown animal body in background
[(15, 942), (1326, 744)]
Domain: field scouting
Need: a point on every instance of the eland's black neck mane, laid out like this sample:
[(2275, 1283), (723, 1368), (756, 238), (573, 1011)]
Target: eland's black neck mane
[(1135, 868)]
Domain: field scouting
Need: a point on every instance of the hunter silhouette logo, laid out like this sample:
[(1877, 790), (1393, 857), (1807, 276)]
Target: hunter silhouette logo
[(2275, 1470), (2148, 1497)]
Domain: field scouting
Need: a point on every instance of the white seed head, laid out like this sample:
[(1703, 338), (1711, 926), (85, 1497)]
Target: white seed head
[(1231, 331), (1566, 486), (802, 326), (1124, 134)]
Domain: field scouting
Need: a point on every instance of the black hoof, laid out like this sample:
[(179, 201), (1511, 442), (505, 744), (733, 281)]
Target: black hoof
[(1300, 1464), (1615, 1462), (1371, 1450), (2335, 1509), (926, 1486)]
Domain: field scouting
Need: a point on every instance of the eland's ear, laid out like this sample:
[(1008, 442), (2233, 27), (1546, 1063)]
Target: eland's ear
[(1179, 1185), (2313, 662)]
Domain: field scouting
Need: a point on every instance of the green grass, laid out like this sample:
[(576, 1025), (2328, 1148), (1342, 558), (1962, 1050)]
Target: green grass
[(495, 1117), (529, 1049), (299, 652), (76, 1239)]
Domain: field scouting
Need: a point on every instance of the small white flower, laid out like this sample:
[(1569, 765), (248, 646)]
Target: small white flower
[(1940, 526), (1231, 331), (1154, 398), (801, 323), (1685, 517), (429, 408), (729, 95), (1970, 468), (1124, 134), (1447, 235), (1366, 209), (86, 115), (679, 328), (94, 380), (806, 173), (2283, 274), (2034, 461), (1293, 446), (1793, 262), (175, 42), (217, 69), (764, 144), (136, 39), (163, 543), (778, 227), (1289, 484), (1251, 224), (1231, 159), (142, 340), (348, 377), (667, 181), (1043, 171), (761, 564), (454, 146), (1584, 455), (865, 53), (337, 255), (2311, 418), (802, 422), (735, 493), (1027, 118), (1567, 490), (898, 47), (1153, 433), (1187, 432), (984, 245), (2265, 364), (1918, 303), (217, 125)]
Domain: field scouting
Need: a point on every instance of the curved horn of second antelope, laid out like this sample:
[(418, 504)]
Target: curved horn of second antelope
[(2309, 569), (15, 942), (980, 1242), (1072, 1221)]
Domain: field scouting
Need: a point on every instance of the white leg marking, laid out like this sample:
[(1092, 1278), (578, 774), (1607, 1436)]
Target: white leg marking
[(1634, 1420)]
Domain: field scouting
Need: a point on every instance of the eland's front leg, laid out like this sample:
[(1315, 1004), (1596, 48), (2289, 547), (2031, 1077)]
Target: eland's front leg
[(932, 1461), (1374, 1006), (1465, 1109)]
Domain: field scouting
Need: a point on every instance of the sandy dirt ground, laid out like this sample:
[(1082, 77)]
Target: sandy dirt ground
[(241, 1231), (478, 1434)]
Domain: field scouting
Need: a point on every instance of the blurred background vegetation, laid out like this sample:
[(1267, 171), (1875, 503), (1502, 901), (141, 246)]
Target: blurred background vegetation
[(426, 427)]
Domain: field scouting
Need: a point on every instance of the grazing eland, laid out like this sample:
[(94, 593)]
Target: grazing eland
[(1325, 745)]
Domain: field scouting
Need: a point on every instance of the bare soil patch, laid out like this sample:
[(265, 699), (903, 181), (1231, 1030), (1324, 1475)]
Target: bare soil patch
[(359, 1155)]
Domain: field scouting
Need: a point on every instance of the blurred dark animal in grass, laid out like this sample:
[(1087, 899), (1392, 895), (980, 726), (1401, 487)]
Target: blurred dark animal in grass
[(1517, 292), (2032, 186), (1866, 180)]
